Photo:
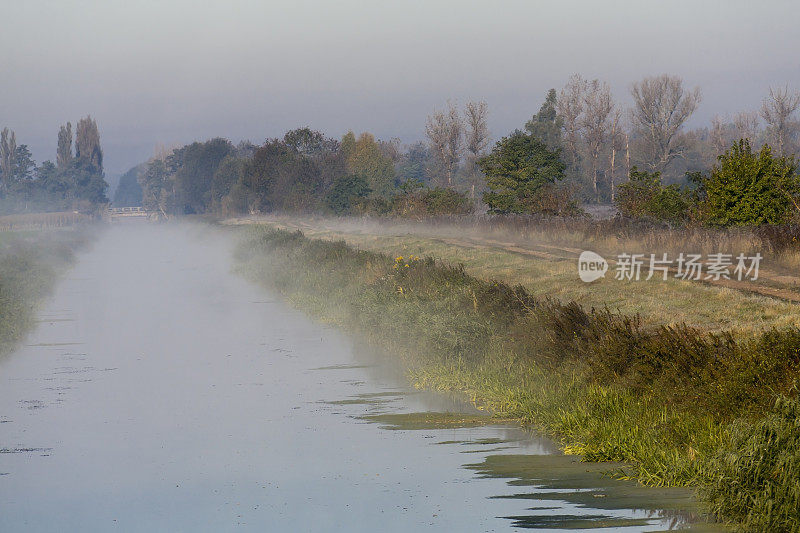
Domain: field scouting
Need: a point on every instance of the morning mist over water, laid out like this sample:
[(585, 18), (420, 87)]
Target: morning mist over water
[(443, 266)]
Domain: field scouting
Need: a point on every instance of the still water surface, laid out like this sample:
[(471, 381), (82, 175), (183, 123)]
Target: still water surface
[(160, 392)]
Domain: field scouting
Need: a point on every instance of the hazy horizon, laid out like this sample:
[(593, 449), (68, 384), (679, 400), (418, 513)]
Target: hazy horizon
[(182, 71)]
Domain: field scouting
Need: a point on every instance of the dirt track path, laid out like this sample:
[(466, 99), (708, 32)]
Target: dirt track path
[(770, 284)]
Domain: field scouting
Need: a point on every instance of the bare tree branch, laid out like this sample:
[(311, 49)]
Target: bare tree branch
[(477, 137), (570, 108), (661, 107), (777, 111), (595, 122), (445, 134)]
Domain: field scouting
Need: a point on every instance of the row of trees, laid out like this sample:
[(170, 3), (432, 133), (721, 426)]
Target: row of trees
[(581, 146), (75, 181), (599, 141), (304, 171), (745, 187)]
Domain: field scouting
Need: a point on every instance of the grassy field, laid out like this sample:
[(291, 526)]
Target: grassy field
[(545, 271), (681, 405), (30, 263)]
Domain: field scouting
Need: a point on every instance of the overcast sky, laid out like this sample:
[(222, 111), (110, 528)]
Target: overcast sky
[(176, 71)]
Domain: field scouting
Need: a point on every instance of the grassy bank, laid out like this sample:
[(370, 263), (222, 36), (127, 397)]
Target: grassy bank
[(30, 264), (532, 258), (681, 405)]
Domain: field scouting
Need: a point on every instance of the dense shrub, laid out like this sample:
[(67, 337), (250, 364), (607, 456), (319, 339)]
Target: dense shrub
[(422, 203), (553, 200), (440, 201), (644, 196), (347, 193), (748, 188)]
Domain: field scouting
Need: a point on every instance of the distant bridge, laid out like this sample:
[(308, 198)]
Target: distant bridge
[(125, 212)]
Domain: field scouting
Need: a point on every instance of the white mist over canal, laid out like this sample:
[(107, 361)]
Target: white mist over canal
[(161, 392)]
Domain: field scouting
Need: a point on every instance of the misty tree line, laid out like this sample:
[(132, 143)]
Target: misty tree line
[(597, 135), (601, 142), (304, 171), (75, 181), (582, 146)]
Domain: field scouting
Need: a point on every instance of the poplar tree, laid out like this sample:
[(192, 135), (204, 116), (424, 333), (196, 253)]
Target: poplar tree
[(64, 150), (87, 143), (8, 152)]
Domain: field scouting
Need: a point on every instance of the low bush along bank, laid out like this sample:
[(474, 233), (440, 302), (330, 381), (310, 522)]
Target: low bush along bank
[(680, 406), (30, 263)]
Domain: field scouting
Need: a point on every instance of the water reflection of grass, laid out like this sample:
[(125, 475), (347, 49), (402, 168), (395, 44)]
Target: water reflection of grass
[(428, 420), (341, 367), (611, 387), (581, 485)]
